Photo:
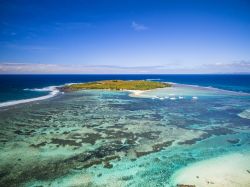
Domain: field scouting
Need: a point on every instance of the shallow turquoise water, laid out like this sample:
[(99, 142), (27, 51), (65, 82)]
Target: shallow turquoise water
[(107, 138)]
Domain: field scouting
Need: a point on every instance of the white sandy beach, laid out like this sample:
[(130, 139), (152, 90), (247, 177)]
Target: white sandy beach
[(232, 170), (136, 93)]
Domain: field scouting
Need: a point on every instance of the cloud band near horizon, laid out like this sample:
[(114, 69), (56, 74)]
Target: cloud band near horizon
[(40, 68)]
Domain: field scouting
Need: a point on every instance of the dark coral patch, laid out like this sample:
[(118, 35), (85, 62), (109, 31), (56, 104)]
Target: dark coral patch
[(64, 142), (38, 145), (160, 146), (194, 140), (234, 141)]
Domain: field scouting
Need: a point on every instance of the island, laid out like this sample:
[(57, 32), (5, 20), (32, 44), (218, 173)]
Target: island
[(116, 85)]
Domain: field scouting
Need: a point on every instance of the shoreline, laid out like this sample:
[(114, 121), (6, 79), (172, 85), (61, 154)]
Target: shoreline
[(231, 170), (55, 90), (135, 93)]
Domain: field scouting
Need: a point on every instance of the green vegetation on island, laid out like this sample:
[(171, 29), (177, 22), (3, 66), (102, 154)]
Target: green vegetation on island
[(116, 85)]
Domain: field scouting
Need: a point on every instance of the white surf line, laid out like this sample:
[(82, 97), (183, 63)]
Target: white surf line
[(53, 92), (153, 79), (213, 89)]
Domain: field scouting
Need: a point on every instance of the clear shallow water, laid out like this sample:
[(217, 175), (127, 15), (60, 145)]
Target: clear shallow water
[(107, 138)]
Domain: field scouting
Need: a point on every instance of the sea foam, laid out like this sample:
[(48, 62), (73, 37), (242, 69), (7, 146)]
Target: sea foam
[(52, 89), (245, 114)]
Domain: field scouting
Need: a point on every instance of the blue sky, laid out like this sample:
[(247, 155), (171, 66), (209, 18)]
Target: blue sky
[(118, 36)]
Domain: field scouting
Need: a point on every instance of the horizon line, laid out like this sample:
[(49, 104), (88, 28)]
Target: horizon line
[(244, 73)]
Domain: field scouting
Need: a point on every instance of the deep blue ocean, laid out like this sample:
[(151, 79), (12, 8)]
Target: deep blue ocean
[(16, 87)]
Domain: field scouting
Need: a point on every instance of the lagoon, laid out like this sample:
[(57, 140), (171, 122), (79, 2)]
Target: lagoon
[(113, 138)]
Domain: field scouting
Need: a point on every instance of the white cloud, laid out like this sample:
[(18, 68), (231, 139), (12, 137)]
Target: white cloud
[(40, 68), (241, 66), (138, 27)]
